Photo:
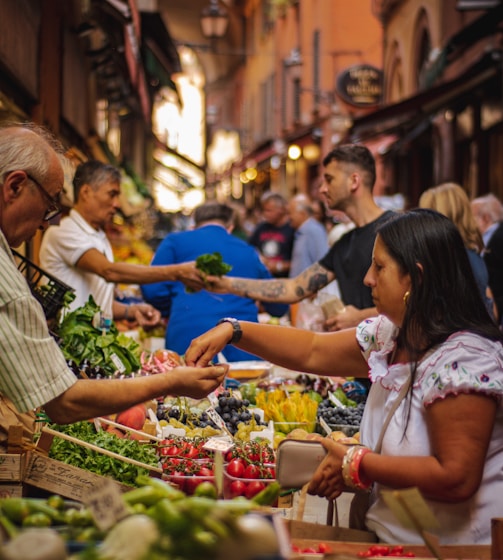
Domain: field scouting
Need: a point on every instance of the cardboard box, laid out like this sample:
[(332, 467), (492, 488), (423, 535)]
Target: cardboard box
[(59, 478), (12, 466)]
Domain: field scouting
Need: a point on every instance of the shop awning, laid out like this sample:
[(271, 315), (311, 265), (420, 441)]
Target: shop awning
[(159, 53), (406, 115)]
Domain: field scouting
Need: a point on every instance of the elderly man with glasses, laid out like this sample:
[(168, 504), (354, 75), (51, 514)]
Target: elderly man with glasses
[(33, 370)]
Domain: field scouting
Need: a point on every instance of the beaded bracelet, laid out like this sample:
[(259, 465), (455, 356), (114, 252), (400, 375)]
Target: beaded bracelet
[(351, 467)]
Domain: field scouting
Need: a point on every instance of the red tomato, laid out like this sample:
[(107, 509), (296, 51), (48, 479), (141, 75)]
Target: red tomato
[(253, 488), (379, 549), (172, 451), (204, 471), (191, 483), (251, 471), (309, 550), (179, 480), (269, 472), (324, 548), (236, 468), (237, 488), (190, 452)]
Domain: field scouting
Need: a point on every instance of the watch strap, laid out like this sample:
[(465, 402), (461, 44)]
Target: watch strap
[(237, 333)]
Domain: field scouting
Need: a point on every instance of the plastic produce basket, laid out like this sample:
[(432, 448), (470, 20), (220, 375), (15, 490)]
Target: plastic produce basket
[(49, 291)]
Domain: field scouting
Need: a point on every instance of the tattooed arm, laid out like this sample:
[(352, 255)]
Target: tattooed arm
[(284, 290)]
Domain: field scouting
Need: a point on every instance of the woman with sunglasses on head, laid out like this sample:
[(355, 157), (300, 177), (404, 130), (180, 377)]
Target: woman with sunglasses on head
[(431, 346)]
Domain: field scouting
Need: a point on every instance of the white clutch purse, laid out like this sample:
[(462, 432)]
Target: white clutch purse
[(296, 461)]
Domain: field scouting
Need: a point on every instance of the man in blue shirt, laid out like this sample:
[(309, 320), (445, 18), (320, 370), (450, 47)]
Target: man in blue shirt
[(191, 314), (310, 241)]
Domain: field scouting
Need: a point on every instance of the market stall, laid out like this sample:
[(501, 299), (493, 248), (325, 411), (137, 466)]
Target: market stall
[(191, 479)]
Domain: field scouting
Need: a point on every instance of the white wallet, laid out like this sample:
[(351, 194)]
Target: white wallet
[(296, 461)]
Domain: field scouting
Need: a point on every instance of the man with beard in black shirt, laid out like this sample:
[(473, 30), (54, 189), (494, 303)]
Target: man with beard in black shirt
[(349, 177)]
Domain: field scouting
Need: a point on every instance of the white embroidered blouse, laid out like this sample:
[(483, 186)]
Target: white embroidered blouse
[(464, 363)]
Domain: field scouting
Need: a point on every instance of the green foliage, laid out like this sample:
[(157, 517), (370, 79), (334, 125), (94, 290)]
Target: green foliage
[(79, 456), (80, 340), (212, 264)]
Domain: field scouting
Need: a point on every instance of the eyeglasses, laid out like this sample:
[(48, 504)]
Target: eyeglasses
[(54, 209)]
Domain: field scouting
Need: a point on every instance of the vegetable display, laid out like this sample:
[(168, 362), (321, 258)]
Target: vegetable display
[(86, 345), (162, 523), (78, 456)]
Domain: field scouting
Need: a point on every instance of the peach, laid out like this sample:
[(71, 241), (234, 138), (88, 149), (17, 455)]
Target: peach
[(133, 417)]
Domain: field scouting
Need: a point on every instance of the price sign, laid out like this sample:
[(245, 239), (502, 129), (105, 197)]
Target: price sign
[(220, 444), (325, 426), (216, 418), (106, 504), (120, 367), (212, 397), (333, 399)]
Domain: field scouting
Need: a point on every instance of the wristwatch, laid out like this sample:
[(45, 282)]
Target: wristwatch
[(237, 333)]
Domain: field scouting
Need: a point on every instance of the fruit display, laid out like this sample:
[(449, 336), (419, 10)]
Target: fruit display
[(235, 413), (188, 475), (340, 413), (184, 447), (335, 415), (288, 410)]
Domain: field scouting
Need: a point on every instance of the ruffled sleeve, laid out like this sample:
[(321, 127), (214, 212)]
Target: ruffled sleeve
[(375, 334), (465, 363)]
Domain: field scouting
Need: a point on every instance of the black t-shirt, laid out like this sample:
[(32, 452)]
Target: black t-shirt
[(274, 242), (350, 258)]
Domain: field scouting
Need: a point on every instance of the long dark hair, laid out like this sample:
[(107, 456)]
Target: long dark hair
[(444, 297)]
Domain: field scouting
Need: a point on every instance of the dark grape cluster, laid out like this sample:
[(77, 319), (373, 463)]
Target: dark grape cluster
[(86, 369), (185, 416), (350, 416), (233, 411)]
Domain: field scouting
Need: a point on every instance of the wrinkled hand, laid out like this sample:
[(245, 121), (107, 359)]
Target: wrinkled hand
[(145, 315), (350, 317), (327, 481), (203, 348), (191, 276), (196, 382)]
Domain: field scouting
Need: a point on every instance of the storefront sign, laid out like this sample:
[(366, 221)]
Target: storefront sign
[(360, 85)]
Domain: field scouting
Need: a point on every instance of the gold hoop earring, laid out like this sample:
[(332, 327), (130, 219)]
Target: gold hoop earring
[(406, 297)]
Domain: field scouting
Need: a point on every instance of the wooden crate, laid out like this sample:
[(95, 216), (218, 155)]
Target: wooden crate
[(449, 552), (59, 478), (12, 466), (15, 490)]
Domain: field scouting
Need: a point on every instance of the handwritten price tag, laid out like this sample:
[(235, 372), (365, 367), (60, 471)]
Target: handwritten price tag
[(106, 504), (220, 444), (121, 368)]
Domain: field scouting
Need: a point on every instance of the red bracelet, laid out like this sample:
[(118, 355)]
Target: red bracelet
[(351, 468)]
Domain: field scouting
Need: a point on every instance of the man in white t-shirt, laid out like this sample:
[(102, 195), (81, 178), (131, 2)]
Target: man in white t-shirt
[(78, 252)]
